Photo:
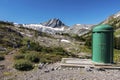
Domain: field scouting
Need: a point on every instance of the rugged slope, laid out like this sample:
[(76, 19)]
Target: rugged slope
[(12, 36), (8, 36), (113, 20), (79, 29)]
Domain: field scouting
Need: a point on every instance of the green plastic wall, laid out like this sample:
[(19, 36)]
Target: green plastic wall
[(102, 44)]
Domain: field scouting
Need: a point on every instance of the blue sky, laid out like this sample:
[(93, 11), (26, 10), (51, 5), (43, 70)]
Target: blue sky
[(69, 11)]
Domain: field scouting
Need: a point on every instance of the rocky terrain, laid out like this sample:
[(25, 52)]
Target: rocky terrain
[(55, 72), (79, 29)]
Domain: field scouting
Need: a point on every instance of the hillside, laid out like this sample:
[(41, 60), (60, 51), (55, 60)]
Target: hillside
[(9, 38), (114, 20), (18, 43), (16, 37)]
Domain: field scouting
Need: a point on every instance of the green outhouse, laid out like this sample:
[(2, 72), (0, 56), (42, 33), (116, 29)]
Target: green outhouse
[(102, 44)]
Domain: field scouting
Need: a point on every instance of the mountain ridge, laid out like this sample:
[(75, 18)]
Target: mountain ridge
[(55, 25)]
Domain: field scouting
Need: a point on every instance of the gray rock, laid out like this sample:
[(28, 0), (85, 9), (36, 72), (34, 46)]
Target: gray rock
[(46, 71), (40, 65), (54, 23)]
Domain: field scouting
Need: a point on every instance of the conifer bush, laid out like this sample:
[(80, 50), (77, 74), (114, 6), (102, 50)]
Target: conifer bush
[(33, 57), (23, 65)]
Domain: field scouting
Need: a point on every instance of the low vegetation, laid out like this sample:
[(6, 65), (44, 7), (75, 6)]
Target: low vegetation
[(19, 56), (74, 36), (6, 23), (85, 49), (2, 57), (33, 57), (23, 65), (117, 43), (10, 38), (116, 56), (117, 32), (36, 53)]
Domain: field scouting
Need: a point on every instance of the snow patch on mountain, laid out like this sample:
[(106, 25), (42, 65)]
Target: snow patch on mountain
[(42, 28)]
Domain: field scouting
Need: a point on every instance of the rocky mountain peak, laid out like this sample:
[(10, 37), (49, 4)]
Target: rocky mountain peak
[(54, 23)]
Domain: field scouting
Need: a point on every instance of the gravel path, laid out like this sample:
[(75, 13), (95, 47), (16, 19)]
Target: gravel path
[(48, 73)]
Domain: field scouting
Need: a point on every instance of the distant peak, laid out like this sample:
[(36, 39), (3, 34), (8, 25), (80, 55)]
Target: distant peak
[(55, 22)]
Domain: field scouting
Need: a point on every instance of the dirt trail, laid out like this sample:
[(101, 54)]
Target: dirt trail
[(7, 63)]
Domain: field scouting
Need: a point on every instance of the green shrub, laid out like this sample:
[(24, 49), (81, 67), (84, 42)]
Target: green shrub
[(35, 46), (44, 60), (50, 58), (56, 58), (19, 56), (33, 57), (116, 43), (116, 55), (47, 50), (60, 51), (23, 65), (88, 42), (23, 49), (2, 57), (78, 38)]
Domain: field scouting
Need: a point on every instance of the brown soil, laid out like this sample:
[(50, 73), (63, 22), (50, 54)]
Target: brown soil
[(7, 64)]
